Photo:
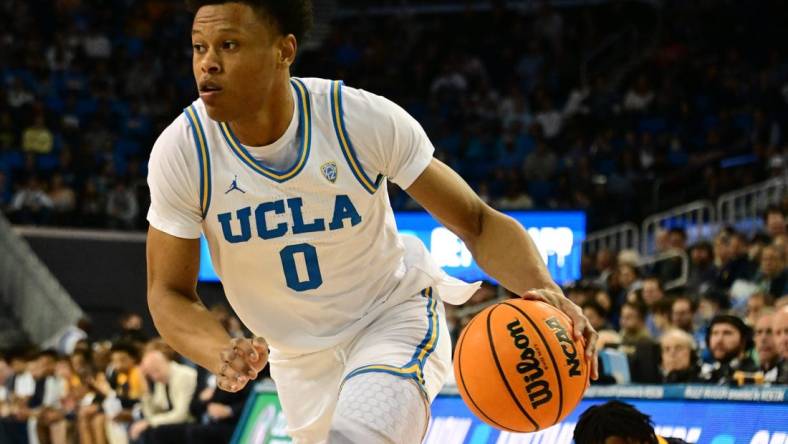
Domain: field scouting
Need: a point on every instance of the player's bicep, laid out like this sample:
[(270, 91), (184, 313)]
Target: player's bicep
[(443, 193), (173, 264)]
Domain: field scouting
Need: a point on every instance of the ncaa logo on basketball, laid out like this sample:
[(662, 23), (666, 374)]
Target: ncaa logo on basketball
[(329, 170), (567, 346)]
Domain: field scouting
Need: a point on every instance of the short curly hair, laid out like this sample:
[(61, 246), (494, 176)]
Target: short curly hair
[(291, 16), (614, 418)]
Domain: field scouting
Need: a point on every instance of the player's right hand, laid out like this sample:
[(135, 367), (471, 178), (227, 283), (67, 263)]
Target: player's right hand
[(241, 361)]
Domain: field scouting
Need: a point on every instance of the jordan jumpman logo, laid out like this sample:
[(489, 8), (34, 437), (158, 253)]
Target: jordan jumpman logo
[(234, 186)]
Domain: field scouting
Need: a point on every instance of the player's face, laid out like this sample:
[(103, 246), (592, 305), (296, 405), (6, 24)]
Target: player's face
[(235, 54)]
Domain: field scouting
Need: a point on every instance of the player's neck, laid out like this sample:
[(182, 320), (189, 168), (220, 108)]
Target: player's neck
[(270, 122)]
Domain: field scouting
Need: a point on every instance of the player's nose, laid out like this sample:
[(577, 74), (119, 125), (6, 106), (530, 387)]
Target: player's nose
[(210, 63)]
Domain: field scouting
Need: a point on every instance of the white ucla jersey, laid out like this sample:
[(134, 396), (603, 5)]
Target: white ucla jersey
[(308, 254)]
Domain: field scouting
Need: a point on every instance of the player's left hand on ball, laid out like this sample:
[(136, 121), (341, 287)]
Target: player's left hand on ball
[(582, 328), (241, 361)]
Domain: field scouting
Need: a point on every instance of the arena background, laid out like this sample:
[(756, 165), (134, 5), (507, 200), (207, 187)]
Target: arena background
[(662, 124)]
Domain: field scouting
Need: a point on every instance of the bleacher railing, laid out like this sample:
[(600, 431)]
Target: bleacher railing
[(697, 218), (743, 208), (618, 237), (42, 306), (670, 255)]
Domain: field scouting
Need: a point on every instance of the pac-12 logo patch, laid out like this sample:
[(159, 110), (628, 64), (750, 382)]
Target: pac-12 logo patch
[(329, 170)]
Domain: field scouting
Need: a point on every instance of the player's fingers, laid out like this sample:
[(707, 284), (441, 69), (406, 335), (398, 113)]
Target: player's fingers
[(533, 295), (228, 385), (233, 365), (231, 374), (591, 351), (261, 350), (243, 348)]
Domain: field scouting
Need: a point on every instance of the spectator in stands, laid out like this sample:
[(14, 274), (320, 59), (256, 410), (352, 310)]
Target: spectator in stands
[(780, 335), (93, 205), (702, 272), (217, 413), (652, 293), (774, 220), (756, 305), (616, 422), (633, 324), (540, 165), (639, 96), (64, 200), (167, 402), (44, 402), (679, 357), (628, 280), (131, 329), (729, 340), (125, 382), (5, 375), (31, 204), (682, 316), (596, 315), (641, 350), (122, 207), (53, 424), (732, 266), (21, 387), (660, 314), (772, 275), (670, 268), (765, 349), (37, 138)]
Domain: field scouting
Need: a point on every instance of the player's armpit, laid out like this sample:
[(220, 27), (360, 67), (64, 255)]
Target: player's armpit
[(445, 194), (180, 317)]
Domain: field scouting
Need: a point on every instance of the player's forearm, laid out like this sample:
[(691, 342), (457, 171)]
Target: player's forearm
[(505, 251), (188, 327)]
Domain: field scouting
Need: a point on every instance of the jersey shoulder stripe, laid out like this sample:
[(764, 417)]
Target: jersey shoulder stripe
[(203, 157), (345, 143)]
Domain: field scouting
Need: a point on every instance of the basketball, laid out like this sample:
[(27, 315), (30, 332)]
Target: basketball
[(517, 366)]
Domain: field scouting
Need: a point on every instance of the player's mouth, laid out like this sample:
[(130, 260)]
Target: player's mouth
[(209, 90)]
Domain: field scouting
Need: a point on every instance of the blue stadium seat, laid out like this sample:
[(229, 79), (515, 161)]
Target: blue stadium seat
[(615, 364)]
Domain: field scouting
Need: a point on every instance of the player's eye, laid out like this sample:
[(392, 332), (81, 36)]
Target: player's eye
[(229, 45), (198, 47)]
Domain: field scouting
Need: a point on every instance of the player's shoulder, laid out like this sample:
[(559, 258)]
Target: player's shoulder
[(350, 96), (177, 138)]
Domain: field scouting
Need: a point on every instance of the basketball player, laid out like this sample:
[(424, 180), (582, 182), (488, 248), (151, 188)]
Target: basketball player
[(616, 422), (286, 178)]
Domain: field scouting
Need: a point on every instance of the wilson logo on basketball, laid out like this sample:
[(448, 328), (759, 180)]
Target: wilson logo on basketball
[(538, 390), (567, 346)]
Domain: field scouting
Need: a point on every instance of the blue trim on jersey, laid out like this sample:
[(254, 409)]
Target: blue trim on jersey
[(304, 131), (427, 346), (203, 157), (414, 369), (337, 115)]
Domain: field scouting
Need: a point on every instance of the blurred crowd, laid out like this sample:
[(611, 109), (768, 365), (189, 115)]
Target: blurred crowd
[(724, 321), (131, 389), (614, 108)]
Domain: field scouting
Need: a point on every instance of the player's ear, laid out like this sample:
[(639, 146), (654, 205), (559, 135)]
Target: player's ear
[(286, 51)]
